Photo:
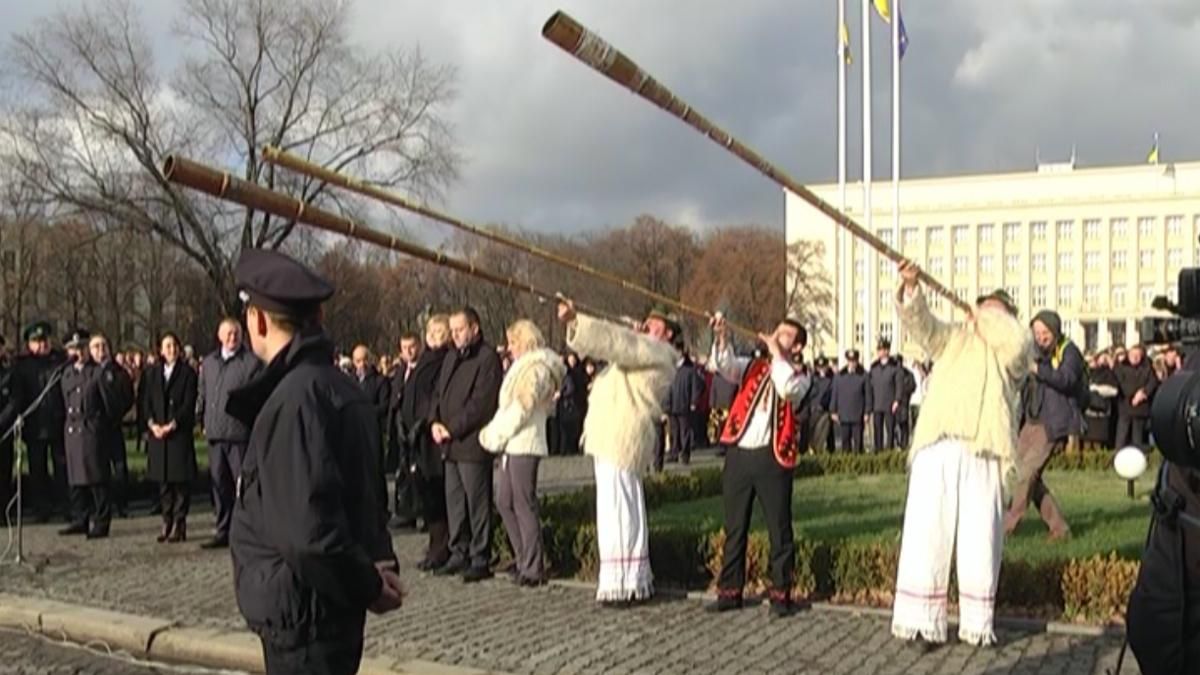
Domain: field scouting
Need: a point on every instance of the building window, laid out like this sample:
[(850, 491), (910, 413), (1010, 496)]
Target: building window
[(1037, 296), (1091, 260), (1037, 230), (961, 292), (1120, 227), (886, 267), (960, 264), (1012, 231), (1038, 262), (1066, 229), (1146, 259), (1066, 261), (1091, 228), (885, 300), (1091, 295), (985, 264), (961, 232), (985, 233), (1174, 259), (885, 235), (1118, 297), (1012, 263), (860, 267), (909, 238), (1120, 259), (937, 266), (859, 334), (1145, 295), (1145, 226), (937, 235), (1174, 225), (860, 299), (885, 331), (1014, 292), (1068, 327), (1064, 295)]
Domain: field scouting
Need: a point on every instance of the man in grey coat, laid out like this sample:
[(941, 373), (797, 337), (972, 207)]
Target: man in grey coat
[(225, 369)]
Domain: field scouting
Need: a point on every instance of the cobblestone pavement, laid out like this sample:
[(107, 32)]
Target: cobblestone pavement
[(27, 654), (548, 630)]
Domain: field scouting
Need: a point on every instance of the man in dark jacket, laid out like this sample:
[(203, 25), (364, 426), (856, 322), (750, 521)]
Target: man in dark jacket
[(1137, 383), (118, 399), (884, 378), (311, 551), (374, 385), (683, 404), (33, 372), (468, 393), (820, 421), (1050, 403), (83, 441), (907, 386), (8, 415), (850, 402), (407, 500), (227, 368), (571, 406)]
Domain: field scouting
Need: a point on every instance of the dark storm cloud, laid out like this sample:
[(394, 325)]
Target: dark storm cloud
[(551, 145)]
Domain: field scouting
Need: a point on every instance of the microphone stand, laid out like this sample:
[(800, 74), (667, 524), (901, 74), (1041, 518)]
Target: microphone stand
[(20, 450)]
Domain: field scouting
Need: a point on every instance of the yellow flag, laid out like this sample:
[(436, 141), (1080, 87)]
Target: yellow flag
[(885, 11), (1152, 158), (845, 33)]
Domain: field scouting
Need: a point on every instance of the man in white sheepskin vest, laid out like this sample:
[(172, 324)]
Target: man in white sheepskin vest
[(963, 447), (619, 432)]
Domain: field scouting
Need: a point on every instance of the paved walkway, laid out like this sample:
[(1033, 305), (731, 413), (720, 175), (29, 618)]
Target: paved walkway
[(554, 629), (29, 655)]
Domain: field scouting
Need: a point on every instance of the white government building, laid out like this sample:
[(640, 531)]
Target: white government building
[(1095, 244)]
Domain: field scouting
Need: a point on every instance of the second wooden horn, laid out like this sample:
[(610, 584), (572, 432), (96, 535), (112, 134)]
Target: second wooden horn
[(593, 50)]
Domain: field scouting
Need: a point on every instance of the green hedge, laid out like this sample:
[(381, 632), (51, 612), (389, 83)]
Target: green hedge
[(896, 461)]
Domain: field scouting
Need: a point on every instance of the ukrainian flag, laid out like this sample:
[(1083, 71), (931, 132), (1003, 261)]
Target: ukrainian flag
[(884, 9), (1152, 158)]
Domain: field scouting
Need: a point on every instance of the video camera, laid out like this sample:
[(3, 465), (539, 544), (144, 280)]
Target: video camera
[(1175, 413)]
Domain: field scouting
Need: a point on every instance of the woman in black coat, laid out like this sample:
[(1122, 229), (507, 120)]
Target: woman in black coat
[(419, 449), (169, 411)]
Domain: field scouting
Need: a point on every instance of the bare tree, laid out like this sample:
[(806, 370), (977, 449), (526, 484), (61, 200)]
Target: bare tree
[(810, 290), (95, 118)]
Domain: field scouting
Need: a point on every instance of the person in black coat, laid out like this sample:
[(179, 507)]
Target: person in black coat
[(1137, 383), (884, 378), (406, 502), (311, 551), (118, 397), (373, 384), (1051, 412), (42, 434), (683, 403), (571, 405), (8, 415), (907, 386), (169, 402), (850, 402), (468, 393), (820, 435)]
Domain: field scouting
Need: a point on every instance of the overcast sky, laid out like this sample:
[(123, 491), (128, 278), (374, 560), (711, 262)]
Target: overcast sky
[(550, 145)]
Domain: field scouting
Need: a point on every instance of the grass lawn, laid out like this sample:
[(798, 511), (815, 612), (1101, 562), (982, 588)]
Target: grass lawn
[(831, 508)]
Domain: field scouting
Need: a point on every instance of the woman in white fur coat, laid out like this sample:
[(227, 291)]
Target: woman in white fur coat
[(518, 430), (963, 447), (619, 432)]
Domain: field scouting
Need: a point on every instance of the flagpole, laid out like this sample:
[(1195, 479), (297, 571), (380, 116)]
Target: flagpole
[(870, 257), (896, 337), (845, 317)]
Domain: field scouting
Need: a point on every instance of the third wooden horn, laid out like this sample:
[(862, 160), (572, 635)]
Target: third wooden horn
[(590, 48)]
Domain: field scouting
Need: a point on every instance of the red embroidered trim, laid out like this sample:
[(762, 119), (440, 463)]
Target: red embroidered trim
[(937, 595), (729, 593), (779, 594)]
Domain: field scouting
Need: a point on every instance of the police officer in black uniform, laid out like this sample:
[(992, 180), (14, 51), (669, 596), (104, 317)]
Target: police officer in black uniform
[(33, 372), (311, 551), (8, 415), (86, 396)]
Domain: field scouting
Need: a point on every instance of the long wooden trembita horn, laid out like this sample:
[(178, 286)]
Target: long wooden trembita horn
[(590, 48), (222, 185), (303, 166)]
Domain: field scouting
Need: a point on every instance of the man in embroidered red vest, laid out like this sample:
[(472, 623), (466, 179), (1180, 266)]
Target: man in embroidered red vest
[(761, 435)]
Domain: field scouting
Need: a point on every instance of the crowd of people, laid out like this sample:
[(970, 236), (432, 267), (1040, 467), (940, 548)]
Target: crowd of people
[(461, 425)]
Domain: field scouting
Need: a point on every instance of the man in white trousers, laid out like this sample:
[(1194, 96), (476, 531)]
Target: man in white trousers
[(963, 447)]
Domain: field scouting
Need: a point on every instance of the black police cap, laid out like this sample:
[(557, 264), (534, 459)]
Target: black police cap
[(77, 338), (275, 282), (38, 330)]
